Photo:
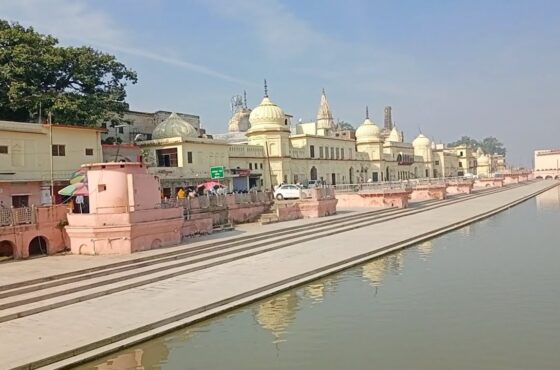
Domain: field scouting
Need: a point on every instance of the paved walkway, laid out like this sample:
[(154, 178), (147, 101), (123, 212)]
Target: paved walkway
[(207, 291)]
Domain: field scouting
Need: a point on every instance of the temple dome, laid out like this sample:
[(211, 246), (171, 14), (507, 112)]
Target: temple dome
[(239, 122), (174, 126), (368, 132), (395, 136), (422, 141), (267, 115)]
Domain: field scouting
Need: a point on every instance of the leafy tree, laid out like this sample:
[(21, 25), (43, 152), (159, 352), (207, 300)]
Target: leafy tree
[(343, 125), (78, 85), (465, 140), (491, 145)]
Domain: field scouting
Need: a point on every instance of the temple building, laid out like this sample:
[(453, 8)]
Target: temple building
[(262, 149)]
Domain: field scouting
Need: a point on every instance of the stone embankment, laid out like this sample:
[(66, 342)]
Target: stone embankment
[(74, 308)]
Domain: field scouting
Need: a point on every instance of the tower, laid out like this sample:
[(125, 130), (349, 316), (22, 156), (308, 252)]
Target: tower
[(388, 122), (325, 122)]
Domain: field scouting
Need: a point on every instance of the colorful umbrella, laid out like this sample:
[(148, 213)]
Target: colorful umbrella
[(209, 185), (78, 178), (71, 189)]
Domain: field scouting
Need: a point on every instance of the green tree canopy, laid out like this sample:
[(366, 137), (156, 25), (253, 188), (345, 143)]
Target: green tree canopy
[(78, 85), (343, 125), (490, 145)]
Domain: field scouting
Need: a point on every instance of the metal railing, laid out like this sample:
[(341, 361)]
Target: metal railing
[(16, 216)]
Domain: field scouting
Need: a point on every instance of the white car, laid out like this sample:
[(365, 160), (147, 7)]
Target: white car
[(287, 191)]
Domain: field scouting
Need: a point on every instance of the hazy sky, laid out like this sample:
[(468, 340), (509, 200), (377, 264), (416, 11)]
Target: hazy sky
[(448, 68)]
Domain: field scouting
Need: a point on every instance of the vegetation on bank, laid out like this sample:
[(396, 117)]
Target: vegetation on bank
[(77, 85)]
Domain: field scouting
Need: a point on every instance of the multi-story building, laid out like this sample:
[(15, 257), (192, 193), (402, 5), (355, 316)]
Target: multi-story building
[(143, 124), (33, 156), (547, 164), (262, 149)]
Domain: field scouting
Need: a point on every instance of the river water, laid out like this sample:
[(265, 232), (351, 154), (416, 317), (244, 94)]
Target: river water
[(483, 297)]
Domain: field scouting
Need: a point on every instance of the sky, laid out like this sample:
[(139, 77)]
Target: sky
[(448, 68)]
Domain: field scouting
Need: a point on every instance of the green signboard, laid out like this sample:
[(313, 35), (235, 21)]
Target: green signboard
[(217, 172)]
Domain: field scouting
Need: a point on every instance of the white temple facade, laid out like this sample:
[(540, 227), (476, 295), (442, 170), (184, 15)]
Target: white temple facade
[(262, 149)]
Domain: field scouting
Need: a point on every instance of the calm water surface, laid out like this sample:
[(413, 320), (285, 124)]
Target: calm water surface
[(484, 297)]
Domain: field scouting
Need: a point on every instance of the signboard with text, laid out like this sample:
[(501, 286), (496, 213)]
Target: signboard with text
[(217, 172)]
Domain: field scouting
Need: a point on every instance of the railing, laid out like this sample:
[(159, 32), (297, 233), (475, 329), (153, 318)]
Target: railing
[(16, 216), (373, 187)]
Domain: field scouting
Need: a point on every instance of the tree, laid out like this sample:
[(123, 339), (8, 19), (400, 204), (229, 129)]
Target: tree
[(78, 85), (491, 145), (465, 140), (343, 125)]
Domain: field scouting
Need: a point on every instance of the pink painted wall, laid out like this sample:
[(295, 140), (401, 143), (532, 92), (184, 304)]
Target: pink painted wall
[(429, 192), (460, 188), (47, 224), (356, 200), (33, 188)]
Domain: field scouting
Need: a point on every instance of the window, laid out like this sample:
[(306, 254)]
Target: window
[(460, 164), (121, 130), (255, 166), (3, 149), (349, 153), (342, 153), (320, 152), (461, 154), (189, 157), (437, 163), (327, 152), (250, 166), (332, 153), (167, 157), (337, 153), (19, 201), (312, 151), (261, 166), (89, 151), (58, 150), (427, 172)]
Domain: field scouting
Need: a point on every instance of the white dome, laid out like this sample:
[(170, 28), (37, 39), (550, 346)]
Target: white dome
[(174, 126), (239, 122), (267, 114), (395, 136), (422, 141), (368, 132)]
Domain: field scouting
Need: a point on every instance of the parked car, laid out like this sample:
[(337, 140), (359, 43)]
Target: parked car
[(287, 191)]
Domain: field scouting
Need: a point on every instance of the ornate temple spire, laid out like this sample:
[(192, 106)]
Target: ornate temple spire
[(367, 112), (324, 115), (265, 89), (244, 99)]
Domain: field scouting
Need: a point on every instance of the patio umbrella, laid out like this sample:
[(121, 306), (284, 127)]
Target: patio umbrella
[(77, 178), (209, 185), (71, 189)]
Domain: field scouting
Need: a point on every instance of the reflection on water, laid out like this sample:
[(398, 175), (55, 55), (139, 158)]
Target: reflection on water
[(145, 358), (425, 249), (485, 300), (549, 200), (277, 313), (374, 271)]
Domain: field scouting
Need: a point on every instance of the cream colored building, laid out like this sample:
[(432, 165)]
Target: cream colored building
[(25, 159), (263, 149), (547, 164)]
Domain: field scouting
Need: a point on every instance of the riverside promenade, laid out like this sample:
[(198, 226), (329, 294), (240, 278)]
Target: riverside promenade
[(81, 307)]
